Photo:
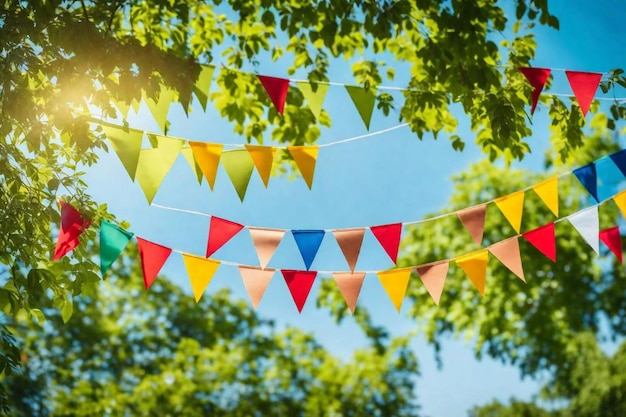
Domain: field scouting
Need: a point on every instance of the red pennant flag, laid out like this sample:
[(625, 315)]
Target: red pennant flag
[(220, 232), (613, 240), (153, 257), (299, 283), (72, 225), (389, 237), (537, 77), (276, 89), (543, 239), (584, 86)]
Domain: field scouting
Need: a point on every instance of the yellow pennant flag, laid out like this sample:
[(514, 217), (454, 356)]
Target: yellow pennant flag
[(263, 158), (512, 206), (620, 200), (548, 191), (155, 163), (395, 282), (207, 157), (200, 271), (475, 267), (305, 157)]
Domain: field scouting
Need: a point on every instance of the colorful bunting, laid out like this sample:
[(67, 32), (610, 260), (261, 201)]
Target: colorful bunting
[(548, 191), (305, 158), (508, 253), (113, 240), (207, 156), (512, 206), (619, 159), (537, 78), (543, 239), (620, 201), (276, 89), (350, 241), (586, 222), (203, 84), (239, 167), (349, 284), (155, 163), (126, 143), (612, 238), (263, 159), (187, 152), (256, 281), (160, 107), (200, 271), (473, 218), (364, 101), (153, 257), (299, 284), (72, 226), (584, 86), (388, 236), (265, 242), (433, 277), (475, 267), (308, 242), (220, 232), (588, 178), (314, 95), (395, 283)]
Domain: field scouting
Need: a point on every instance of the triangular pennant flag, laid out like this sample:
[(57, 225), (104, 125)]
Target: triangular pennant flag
[(620, 200), (543, 239), (475, 267), (612, 238), (207, 156), (113, 240), (350, 241), (256, 281), (188, 154), (220, 232), (349, 284), (127, 145), (507, 252), (276, 89), (537, 77), (608, 177), (619, 159), (160, 107), (308, 242), (548, 191), (473, 218), (155, 163), (584, 86), (123, 107), (203, 84), (305, 158), (265, 242), (299, 284), (586, 222), (153, 257), (512, 206), (200, 271), (588, 177), (314, 99), (433, 277), (395, 282), (388, 236), (263, 158), (239, 167), (72, 226), (364, 101)]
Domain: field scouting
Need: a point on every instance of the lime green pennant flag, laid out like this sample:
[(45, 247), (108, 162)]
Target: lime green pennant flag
[(123, 107), (160, 107), (135, 104), (126, 143), (364, 101), (155, 163), (203, 84), (113, 240), (239, 166), (314, 95), (188, 154)]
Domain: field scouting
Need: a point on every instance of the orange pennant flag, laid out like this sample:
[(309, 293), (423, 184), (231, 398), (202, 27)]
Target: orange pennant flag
[(256, 281), (207, 157), (433, 277), (263, 159), (548, 191), (620, 200), (512, 206), (265, 242), (350, 241), (395, 282), (507, 252), (200, 271), (475, 267), (473, 218), (305, 158), (349, 284)]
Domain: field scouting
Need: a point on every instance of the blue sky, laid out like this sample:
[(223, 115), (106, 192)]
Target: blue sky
[(393, 177)]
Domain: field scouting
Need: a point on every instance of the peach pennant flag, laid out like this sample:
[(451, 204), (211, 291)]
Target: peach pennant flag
[(433, 277), (473, 218), (507, 252), (265, 242), (350, 241), (349, 284), (256, 281)]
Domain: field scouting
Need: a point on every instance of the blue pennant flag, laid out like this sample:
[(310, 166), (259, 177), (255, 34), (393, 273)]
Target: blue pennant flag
[(308, 242), (587, 177), (619, 159)]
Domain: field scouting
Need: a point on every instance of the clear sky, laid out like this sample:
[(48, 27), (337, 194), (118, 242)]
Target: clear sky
[(392, 177)]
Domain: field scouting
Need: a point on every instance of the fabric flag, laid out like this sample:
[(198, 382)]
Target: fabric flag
[(72, 226), (299, 284), (586, 222), (122, 106), (220, 232), (543, 239), (584, 86), (619, 159), (620, 201), (305, 158), (239, 167), (395, 283), (263, 159), (314, 95), (265, 242), (161, 106), (276, 89), (203, 84), (507, 252), (512, 206), (256, 281), (475, 267), (588, 177), (433, 277), (537, 78), (548, 191), (207, 156), (350, 241), (349, 284), (200, 271), (364, 101), (612, 238), (155, 163), (609, 177), (473, 218), (126, 143), (308, 242), (153, 257), (187, 153), (388, 236), (113, 240)]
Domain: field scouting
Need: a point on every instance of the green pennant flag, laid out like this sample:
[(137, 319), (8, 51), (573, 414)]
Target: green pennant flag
[(160, 107), (364, 101), (188, 154), (113, 240), (126, 143), (314, 95), (239, 166), (155, 163), (203, 84)]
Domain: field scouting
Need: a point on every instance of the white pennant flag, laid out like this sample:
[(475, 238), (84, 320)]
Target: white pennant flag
[(587, 224)]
